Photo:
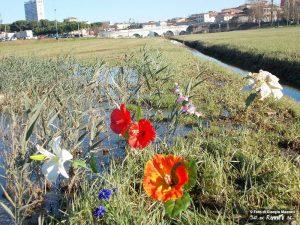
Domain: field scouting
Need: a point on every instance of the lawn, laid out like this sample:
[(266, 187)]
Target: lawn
[(274, 49), (246, 158)]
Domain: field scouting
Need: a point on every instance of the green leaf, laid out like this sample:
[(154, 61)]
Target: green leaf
[(38, 157), (79, 163), (131, 107), (174, 207), (250, 99), (34, 118), (31, 123), (139, 113), (188, 87), (192, 170), (93, 164)]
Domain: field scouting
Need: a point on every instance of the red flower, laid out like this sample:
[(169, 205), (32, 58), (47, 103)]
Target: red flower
[(120, 120), (141, 134)]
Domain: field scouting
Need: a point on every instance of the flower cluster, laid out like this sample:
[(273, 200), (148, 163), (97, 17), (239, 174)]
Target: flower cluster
[(138, 134), (265, 84), (105, 195), (186, 104)]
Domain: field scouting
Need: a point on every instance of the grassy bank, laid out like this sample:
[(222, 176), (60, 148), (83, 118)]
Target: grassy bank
[(276, 50), (246, 159)]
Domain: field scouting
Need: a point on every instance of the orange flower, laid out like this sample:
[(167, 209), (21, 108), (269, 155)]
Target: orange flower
[(164, 177)]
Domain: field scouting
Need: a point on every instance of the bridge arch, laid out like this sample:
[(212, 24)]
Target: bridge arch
[(153, 34), (169, 33), (137, 35), (183, 32)]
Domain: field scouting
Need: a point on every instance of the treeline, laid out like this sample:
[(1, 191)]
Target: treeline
[(44, 27)]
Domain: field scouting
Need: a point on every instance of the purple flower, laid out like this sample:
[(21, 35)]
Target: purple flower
[(105, 194), (99, 212), (184, 108), (182, 98)]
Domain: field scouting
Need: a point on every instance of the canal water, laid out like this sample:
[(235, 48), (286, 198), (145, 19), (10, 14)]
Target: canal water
[(291, 92)]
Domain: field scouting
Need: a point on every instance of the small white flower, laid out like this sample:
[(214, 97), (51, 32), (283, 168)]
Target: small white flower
[(55, 161), (265, 84)]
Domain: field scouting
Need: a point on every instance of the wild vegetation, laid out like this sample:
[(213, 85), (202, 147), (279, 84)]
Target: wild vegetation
[(45, 27), (246, 158), (275, 49)]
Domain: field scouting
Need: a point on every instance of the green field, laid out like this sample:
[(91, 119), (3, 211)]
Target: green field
[(246, 159), (274, 49)]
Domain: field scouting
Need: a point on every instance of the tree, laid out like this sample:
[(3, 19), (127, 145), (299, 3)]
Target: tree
[(19, 25), (272, 12), (292, 11), (5, 27), (44, 27), (257, 10)]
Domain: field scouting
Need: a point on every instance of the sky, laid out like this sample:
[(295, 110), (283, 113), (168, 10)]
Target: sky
[(116, 10)]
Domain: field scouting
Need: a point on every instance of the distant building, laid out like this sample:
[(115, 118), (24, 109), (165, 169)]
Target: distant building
[(34, 10), (71, 19), (223, 17), (209, 17), (122, 26), (150, 24), (163, 23), (241, 18), (26, 34), (232, 11), (227, 14)]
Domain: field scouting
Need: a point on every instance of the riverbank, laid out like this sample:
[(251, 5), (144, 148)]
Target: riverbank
[(275, 50), (246, 159), (289, 91)]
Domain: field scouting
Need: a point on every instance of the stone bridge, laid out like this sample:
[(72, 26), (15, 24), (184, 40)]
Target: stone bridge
[(146, 32)]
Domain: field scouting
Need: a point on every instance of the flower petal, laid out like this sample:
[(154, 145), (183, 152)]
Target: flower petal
[(62, 170), (50, 170), (275, 85), (56, 144), (272, 78), (277, 93), (265, 91), (120, 120), (65, 155), (44, 152)]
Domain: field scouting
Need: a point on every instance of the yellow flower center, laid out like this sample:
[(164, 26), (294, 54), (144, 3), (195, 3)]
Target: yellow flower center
[(168, 180), (56, 159)]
